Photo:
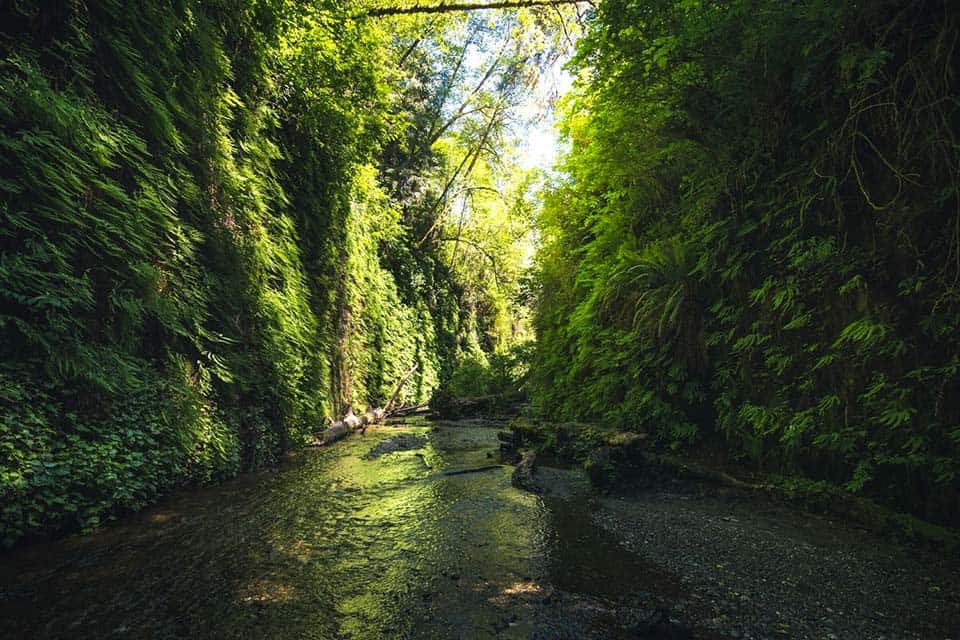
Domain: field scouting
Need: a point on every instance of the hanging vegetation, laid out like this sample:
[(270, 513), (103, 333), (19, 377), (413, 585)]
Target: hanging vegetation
[(756, 241), (205, 254)]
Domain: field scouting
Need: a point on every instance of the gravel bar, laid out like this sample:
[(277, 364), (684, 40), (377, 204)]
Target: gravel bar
[(753, 568)]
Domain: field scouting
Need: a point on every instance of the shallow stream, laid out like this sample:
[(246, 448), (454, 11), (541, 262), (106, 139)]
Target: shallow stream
[(337, 545)]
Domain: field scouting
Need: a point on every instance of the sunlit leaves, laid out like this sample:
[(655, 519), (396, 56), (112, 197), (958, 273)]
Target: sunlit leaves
[(190, 219)]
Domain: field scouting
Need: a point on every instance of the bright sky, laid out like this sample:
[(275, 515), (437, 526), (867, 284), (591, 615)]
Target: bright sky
[(533, 120), (539, 143)]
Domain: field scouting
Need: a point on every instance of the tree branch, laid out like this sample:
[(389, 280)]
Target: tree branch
[(476, 245), (444, 7), (473, 155)]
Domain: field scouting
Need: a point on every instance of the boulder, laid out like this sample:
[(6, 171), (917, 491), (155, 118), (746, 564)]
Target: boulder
[(621, 458)]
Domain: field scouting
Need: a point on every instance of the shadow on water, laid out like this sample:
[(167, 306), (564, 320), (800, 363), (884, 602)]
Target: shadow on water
[(334, 545)]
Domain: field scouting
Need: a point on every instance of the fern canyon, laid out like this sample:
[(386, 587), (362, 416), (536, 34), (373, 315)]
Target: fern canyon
[(520, 319)]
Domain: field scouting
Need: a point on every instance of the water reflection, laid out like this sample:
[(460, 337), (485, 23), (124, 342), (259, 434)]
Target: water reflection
[(333, 546)]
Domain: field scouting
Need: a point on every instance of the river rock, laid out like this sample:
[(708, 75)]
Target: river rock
[(621, 458)]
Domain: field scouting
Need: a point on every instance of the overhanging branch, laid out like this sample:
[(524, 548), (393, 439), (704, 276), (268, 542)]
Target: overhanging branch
[(445, 7)]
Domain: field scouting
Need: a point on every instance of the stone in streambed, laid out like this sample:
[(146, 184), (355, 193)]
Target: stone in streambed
[(621, 458)]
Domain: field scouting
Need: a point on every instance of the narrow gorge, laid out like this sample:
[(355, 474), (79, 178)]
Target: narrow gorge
[(522, 319)]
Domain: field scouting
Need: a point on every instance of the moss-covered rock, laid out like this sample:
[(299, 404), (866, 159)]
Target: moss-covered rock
[(621, 458)]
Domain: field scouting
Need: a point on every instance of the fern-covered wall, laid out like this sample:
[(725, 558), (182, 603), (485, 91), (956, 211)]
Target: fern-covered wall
[(191, 246), (757, 240)]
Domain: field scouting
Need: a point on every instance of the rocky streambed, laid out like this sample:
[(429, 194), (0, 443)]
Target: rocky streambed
[(380, 536), (753, 569)]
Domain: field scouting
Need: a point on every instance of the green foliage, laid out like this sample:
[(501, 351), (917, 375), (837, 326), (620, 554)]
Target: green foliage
[(487, 383), (755, 239), (132, 213), (198, 263), (501, 374), (64, 469)]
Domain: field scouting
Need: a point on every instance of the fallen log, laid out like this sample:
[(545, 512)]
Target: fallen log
[(396, 391), (400, 412), (336, 431), (351, 422), (460, 472), (340, 430)]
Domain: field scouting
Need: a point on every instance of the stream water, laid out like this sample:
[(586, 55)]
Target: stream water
[(334, 544)]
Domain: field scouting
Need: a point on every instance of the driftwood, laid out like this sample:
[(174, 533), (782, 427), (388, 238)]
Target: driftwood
[(524, 474), (460, 472), (334, 432), (351, 422), (340, 429), (693, 470), (401, 412), (396, 391)]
